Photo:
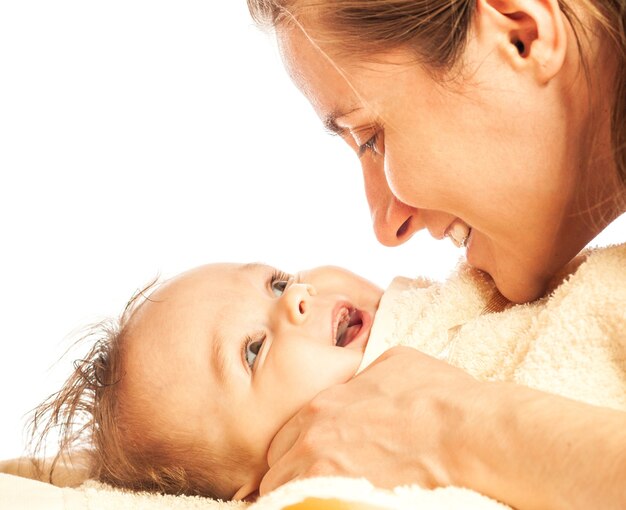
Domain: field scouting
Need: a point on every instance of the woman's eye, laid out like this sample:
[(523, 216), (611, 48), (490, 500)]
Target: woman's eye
[(374, 145), (252, 350), (278, 287)]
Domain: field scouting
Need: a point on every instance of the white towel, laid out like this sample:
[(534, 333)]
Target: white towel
[(573, 343)]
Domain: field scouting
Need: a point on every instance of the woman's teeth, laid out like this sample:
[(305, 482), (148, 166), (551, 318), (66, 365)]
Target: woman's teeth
[(458, 233)]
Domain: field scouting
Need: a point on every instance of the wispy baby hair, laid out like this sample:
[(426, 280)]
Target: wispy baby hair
[(83, 414), (110, 429)]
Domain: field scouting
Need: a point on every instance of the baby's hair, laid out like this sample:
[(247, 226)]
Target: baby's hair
[(95, 424)]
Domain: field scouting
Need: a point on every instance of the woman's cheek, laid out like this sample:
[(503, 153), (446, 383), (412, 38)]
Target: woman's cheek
[(403, 178)]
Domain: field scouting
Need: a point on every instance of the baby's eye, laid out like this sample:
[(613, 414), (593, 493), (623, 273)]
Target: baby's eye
[(278, 282), (252, 350), (278, 287)]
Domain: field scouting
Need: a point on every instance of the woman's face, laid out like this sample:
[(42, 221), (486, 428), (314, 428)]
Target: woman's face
[(494, 148)]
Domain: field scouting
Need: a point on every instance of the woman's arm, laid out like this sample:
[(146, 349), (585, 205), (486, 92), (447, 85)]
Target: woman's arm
[(537, 450), (410, 418)]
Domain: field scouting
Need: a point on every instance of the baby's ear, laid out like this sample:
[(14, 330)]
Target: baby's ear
[(247, 492), (251, 498)]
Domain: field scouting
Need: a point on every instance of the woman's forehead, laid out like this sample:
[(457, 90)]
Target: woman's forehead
[(314, 72), (336, 87)]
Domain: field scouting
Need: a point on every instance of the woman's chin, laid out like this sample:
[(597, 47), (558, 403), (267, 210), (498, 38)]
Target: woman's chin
[(518, 286), (515, 282), (521, 293)]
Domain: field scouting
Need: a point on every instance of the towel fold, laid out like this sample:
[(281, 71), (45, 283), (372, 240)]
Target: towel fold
[(573, 342)]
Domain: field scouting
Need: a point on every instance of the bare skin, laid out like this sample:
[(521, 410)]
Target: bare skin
[(502, 148), (508, 444), (211, 349), (507, 151)]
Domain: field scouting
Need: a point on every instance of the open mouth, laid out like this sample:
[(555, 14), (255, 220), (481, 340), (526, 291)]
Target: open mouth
[(348, 325)]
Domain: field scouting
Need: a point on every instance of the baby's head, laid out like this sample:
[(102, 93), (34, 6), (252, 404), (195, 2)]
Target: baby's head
[(211, 365)]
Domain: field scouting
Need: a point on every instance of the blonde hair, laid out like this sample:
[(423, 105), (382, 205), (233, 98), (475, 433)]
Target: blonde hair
[(93, 420), (437, 32)]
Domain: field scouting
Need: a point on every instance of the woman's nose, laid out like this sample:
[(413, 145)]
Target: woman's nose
[(297, 301), (394, 221)]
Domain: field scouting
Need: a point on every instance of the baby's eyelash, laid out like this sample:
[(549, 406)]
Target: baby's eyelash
[(260, 337), (278, 276)]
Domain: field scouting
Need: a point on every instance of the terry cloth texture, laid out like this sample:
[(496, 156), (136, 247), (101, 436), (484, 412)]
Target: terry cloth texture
[(572, 342), (18, 493)]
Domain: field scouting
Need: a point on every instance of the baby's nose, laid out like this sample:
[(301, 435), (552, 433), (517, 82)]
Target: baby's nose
[(297, 301)]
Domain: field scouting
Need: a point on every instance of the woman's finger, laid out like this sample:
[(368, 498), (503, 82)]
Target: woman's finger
[(283, 471), (334, 433), (284, 440)]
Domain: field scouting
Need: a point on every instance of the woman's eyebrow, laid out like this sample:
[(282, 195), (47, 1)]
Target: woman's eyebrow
[(330, 121), (330, 124)]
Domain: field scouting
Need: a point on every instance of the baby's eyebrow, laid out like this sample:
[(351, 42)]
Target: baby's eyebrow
[(254, 266), (219, 360)]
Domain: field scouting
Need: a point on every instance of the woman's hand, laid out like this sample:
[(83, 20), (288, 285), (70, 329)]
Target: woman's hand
[(400, 421), (409, 418)]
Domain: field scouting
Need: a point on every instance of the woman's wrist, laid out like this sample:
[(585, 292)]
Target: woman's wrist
[(532, 449)]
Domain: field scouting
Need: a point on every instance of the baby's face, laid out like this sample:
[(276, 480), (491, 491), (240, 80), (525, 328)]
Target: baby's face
[(227, 353)]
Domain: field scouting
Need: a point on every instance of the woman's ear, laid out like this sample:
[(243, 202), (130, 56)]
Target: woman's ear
[(531, 34)]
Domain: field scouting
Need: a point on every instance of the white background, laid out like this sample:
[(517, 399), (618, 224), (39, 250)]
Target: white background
[(146, 137)]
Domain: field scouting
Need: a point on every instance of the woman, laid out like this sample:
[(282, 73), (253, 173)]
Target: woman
[(499, 124)]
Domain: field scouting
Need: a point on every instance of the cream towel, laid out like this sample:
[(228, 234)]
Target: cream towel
[(572, 342), (18, 493), (325, 492)]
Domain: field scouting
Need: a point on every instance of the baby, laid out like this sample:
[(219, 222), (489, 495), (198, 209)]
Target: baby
[(187, 395)]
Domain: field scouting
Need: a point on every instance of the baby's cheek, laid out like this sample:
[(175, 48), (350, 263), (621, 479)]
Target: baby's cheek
[(309, 368)]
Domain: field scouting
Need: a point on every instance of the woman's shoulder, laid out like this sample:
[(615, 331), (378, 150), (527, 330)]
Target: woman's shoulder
[(596, 288), (605, 264), (594, 263)]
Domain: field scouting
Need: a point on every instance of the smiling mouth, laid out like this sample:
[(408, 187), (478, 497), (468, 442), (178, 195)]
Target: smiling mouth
[(458, 232), (350, 322)]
